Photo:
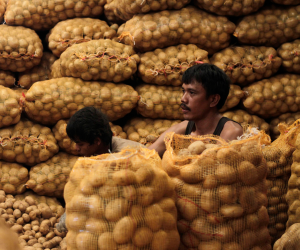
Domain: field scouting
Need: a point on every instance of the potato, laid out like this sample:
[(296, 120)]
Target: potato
[(124, 230), (7, 78), (247, 173), (142, 237), (232, 211), (106, 242), (226, 174)]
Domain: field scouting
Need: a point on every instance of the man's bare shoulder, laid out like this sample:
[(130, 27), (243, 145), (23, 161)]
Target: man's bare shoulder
[(179, 128), (231, 131)]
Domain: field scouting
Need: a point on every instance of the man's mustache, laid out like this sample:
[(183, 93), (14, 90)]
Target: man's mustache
[(183, 106)]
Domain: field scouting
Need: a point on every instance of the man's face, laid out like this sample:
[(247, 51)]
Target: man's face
[(86, 149), (194, 103)]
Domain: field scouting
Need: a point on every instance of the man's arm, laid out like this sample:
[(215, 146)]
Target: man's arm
[(231, 131), (159, 144)]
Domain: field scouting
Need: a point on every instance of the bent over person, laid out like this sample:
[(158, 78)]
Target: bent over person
[(204, 91)]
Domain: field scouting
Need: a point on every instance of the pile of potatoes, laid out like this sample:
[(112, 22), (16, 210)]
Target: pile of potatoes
[(38, 73), (221, 192), (272, 97), (166, 66), (245, 119), (236, 94), (230, 8), (21, 48), (33, 221), (52, 100), (77, 30), (49, 178), (290, 54), (10, 107), (101, 59), (7, 78), (27, 143), (247, 64), (186, 26), (125, 10), (271, 26), (121, 200), (290, 239), (145, 130), (44, 14)]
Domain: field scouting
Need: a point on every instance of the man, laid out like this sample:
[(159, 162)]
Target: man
[(205, 89)]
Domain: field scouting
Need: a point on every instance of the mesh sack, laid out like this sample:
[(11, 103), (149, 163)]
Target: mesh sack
[(290, 54), (125, 10), (2, 9), (186, 26), (166, 66), (20, 92), (55, 70), (49, 178), (247, 64), (38, 73), (146, 131), (289, 240), (49, 101), (124, 201), (20, 48), (44, 14), (274, 96), (77, 30), (221, 192), (110, 14), (27, 142), (99, 60), (7, 78), (10, 107), (271, 26), (234, 97), (288, 119), (8, 238), (286, 2), (13, 177), (246, 120), (231, 8)]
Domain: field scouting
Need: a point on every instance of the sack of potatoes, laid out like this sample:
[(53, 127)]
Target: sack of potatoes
[(109, 13), (246, 119), (55, 70), (247, 64), (101, 59), (274, 96), (7, 78), (146, 130), (125, 10), (21, 48), (44, 14), (290, 239), (49, 178), (27, 143), (290, 55), (186, 26), (166, 66), (271, 26), (220, 190), (231, 8), (13, 178), (286, 2), (236, 94), (130, 203), (78, 30), (10, 107), (40, 72), (20, 92), (49, 101)]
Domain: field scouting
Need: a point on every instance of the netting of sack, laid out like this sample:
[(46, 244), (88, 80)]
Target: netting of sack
[(246, 119), (21, 48), (55, 70), (221, 191), (274, 96), (7, 78), (236, 94), (247, 64), (230, 8), (289, 240), (286, 2), (38, 73), (77, 30), (270, 26), (101, 59), (145, 130), (125, 10), (8, 238), (186, 26), (13, 177), (290, 54), (49, 178), (44, 14), (110, 15), (27, 143), (166, 66), (52, 100), (20, 92), (121, 201)]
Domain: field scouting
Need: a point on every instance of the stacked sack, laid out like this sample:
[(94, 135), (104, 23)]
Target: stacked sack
[(123, 200), (220, 191), (290, 239)]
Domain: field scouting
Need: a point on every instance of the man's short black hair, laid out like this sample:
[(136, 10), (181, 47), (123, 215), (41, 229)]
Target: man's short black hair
[(213, 79), (89, 123)]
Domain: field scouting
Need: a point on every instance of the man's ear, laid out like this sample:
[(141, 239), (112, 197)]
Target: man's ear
[(97, 141), (214, 100)]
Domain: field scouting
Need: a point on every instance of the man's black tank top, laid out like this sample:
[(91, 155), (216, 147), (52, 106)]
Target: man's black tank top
[(218, 130)]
